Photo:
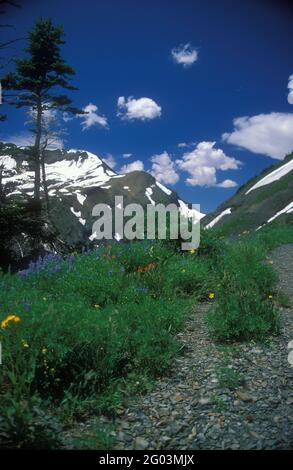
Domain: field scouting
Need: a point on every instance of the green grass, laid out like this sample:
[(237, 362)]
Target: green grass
[(94, 329), (228, 377), (97, 328)]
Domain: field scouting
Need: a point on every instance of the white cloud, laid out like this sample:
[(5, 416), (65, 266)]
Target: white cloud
[(164, 169), (127, 155), (67, 117), (185, 55), (137, 165), (142, 108), (267, 134), (25, 139), (50, 116), (290, 87), (92, 117), (186, 144), (227, 184), (110, 161), (202, 164)]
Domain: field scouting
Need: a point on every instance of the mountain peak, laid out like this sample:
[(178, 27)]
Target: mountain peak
[(77, 180)]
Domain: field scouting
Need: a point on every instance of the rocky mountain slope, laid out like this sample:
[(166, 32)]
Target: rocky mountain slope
[(77, 181), (265, 199)]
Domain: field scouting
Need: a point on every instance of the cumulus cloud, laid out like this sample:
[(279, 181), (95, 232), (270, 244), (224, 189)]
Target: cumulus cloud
[(202, 164), (127, 155), (141, 108), (227, 184), (268, 134), (92, 118), (137, 165), (110, 161), (290, 86), (164, 169), (26, 139), (185, 55)]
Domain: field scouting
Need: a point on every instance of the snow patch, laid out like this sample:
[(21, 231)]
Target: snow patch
[(8, 162), (219, 217), (287, 210), (273, 176), (77, 214), (163, 188), (93, 236), (148, 193), (117, 237), (81, 198), (190, 213)]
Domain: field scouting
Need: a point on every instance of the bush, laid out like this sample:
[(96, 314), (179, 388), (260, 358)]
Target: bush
[(244, 309), (243, 316)]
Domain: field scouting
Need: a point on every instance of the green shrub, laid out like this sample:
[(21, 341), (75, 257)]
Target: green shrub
[(243, 316), (244, 309)]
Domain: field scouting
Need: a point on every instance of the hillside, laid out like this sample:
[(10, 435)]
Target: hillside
[(77, 181), (265, 199)]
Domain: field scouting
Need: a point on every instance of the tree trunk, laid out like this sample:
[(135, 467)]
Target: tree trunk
[(46, 194), (37, 151)]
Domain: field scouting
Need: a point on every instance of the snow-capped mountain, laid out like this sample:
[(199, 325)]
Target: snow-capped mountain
[(78, 180), (265, 199)]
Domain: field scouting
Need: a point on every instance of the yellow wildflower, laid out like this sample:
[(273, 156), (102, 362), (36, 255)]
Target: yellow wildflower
[(97, 306), (8, 319), (211, 295), (193, 251), (24, 344), (44, 350), (270, 261), (270, 296)]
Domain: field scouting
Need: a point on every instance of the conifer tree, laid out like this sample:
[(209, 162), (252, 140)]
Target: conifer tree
[(37, 83)]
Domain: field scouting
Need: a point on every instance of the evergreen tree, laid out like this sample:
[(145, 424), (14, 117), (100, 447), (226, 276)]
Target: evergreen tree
[(37, 84)]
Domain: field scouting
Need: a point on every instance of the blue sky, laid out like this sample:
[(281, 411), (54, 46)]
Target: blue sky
[(231, 59)]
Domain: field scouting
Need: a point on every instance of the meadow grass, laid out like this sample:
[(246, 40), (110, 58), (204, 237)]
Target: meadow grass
[(81, 334)]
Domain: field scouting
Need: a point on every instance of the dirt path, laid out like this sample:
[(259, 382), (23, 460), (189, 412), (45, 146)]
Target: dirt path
[(193, 409)]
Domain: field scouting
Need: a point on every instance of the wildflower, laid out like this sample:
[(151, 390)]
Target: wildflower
[(45, 298), (147, 267), (8, 319), (193, 251), (183, 270), (44, 350), (24, 344), (97, 306), (211, 295), (52, 370), (270, 261), (270, 296)]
